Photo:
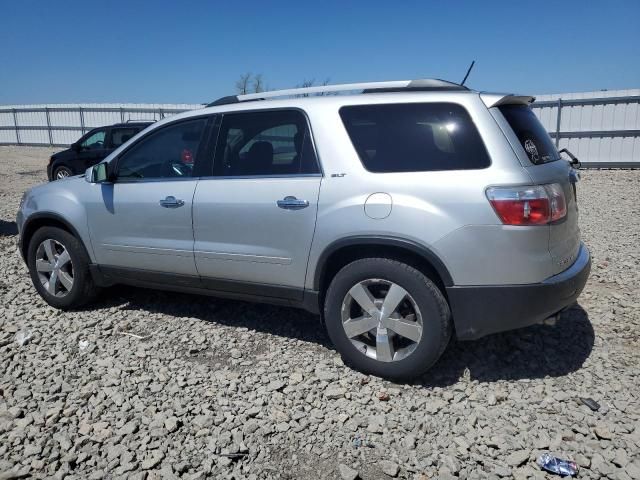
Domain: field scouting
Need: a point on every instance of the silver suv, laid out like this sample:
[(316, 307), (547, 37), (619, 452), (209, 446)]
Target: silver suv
[(400, 212)]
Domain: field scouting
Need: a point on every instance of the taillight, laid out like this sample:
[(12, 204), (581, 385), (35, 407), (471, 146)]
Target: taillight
[(528, 205), (557, 201)]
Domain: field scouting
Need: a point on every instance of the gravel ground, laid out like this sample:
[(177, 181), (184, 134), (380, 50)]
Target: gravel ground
[(221, 389)]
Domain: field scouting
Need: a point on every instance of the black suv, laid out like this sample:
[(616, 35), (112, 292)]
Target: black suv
[(91, 149)]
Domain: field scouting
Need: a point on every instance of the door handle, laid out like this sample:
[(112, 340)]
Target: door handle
[(292, 203), (171, 202)]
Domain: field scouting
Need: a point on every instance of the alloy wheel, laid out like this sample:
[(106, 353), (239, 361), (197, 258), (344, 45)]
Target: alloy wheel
[(54, 268), (62, 173), (382, 320)]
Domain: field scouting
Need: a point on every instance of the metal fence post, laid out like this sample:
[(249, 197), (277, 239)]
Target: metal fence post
[(46, 111), (161, 113), (121, 114), (81, 119), (15, 124), (558, 119)]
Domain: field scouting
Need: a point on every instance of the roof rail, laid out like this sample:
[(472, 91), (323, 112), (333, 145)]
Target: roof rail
[(368, 87)]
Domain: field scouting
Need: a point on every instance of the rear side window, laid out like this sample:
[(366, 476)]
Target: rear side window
[(532, 136), (121, 135), (416, 137), (264, 143)]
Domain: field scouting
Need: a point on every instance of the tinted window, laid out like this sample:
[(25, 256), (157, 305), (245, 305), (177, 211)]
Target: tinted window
[(534, 138), (414, 137), (264, 143), (121, 135), (94, 141), (169, 152)]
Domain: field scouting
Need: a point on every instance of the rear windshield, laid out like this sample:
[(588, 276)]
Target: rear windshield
[(534, 138), (415, 137)]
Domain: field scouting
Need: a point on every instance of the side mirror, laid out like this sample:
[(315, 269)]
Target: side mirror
[(76, 147), (99, 173)]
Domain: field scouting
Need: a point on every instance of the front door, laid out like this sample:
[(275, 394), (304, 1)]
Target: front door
[(254, 219), (93, 148), (142, 221)]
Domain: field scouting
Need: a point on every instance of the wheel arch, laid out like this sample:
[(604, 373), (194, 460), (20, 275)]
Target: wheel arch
[(344, 251), (45, 219)]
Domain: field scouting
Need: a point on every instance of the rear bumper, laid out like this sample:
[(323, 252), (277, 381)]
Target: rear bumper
[(482, 310)]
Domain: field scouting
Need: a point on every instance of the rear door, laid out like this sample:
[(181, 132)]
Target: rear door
[(119, 135), (254, 218), (142, 221), (545, 166)]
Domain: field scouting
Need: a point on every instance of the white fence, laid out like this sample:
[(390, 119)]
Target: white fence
[(600, 128), (61, 125)]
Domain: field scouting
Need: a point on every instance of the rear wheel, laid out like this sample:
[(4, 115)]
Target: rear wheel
[(386, 318), (59, 268), (62, 172)]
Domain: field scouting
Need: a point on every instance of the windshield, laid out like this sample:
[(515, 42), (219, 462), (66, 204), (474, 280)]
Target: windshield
[(533, 137)]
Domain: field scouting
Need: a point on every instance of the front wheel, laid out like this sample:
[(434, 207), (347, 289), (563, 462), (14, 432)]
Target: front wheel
[(386, 318), (62, 172), (59, 268)]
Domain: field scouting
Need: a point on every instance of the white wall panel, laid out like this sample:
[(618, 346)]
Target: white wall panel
[(92, 118), (603, 117)]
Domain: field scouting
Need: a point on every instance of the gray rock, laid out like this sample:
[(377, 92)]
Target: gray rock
[(171, 424), (333, 393), (276, 385), (633, 470), (603, 432), (347, 473), (451, 464), (389, 468), (517, 458), (152, 459)]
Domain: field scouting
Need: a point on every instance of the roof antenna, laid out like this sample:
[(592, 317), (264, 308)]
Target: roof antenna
[(468, 72)]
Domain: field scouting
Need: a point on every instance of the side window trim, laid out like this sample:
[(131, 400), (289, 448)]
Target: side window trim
[(204, 161), (154, 132), (108, 144), (309, 132)]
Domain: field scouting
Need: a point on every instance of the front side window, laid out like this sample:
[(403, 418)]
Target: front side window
[(95, 141), (264, 143), (414, 137), (122, 135), (532, 136), (168, 152)]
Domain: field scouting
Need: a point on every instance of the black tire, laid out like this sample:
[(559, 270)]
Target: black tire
[(436, 317), (62, 169), (83, 289)]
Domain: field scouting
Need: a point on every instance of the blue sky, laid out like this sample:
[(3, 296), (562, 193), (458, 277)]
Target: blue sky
[(189, 51)]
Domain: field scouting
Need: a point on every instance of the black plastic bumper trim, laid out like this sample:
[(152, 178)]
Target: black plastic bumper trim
[(482, 310)]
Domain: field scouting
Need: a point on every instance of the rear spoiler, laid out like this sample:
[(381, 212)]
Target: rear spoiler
[(497, 99)]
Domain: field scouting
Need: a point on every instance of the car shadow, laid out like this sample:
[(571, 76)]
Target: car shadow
[(8, 229), (534, 352), (283, 321)]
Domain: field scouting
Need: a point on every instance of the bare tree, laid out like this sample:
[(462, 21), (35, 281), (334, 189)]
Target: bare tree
[(324, 84), (310, 83), (243, 83), (306, 83), (258, 83)]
